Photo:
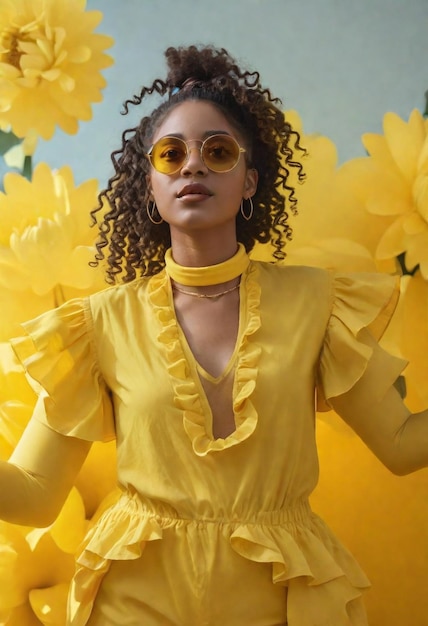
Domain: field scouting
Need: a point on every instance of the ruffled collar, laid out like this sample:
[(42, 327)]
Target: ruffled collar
[(210, 274)]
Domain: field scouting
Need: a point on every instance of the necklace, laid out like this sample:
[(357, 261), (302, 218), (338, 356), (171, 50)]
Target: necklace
[(206, 295), (210, 274)]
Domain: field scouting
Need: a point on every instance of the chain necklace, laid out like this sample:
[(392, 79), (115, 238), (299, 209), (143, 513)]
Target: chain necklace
[(206, 295)]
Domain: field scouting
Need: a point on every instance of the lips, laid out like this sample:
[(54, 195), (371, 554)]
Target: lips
[(194, 189)]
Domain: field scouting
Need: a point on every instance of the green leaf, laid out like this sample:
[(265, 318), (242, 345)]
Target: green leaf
[(28, 167), (7, 141)]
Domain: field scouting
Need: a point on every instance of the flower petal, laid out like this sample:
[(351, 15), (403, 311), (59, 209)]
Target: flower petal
[(405, 141), (50, 604), (55, 50), (46, 239), (392, 243)]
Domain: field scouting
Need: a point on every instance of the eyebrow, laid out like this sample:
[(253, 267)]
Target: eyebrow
[(205, 135)]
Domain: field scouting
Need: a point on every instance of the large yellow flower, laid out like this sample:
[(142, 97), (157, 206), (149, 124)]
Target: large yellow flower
[(46, 241), (330, 229), (36, 566), (50, 62), (392, 184)]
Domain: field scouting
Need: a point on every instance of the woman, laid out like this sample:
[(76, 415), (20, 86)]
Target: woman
[(206, 367)]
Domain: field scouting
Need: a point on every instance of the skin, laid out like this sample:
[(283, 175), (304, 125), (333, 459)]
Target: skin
[(203, 232)]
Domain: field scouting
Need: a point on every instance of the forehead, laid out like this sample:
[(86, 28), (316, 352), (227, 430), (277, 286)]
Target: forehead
[(192, 120)]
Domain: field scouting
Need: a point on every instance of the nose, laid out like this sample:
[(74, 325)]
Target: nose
[(194, 163)]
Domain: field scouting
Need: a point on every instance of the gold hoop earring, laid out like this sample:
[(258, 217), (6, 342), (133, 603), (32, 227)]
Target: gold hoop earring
[(150, 213), (246, 216)]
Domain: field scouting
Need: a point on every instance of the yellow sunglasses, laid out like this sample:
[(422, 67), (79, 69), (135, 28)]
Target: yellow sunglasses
[(220, 153)]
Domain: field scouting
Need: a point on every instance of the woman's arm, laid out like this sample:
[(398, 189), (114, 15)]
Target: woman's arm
[(397, 437), (36, 480)]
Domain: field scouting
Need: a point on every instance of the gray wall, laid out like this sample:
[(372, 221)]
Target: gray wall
[(340, 63)]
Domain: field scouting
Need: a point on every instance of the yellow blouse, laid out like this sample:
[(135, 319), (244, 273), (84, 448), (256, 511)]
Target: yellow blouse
[(117, 365)]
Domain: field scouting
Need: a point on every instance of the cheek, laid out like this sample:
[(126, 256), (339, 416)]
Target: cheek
[(151, 182), (156, 186), (161, 193)]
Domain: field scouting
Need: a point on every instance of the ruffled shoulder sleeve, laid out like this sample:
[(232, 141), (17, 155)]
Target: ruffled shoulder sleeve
[(58, 355), (361, 308)]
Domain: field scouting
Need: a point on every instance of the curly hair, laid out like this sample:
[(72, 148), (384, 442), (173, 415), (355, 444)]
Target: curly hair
[(136, 246)]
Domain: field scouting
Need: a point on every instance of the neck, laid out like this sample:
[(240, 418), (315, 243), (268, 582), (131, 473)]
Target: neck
[(203, 250)]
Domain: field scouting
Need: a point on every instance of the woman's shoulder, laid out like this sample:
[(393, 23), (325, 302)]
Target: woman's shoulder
[(298, 278), (341, 292), (115, 295), (334, 280)]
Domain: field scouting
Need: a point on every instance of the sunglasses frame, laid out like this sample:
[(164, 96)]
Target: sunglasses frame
[(149, 154)]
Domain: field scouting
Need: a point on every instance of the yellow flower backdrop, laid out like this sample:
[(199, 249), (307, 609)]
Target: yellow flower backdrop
[(370, 214), (46, 242), (50, 62), (394, 182), (382, 518), (391, 186)]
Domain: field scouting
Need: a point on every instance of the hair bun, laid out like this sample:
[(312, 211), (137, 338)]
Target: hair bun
[(191, 65)]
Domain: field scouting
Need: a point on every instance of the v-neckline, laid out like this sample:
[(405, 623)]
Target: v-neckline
[(187, 350), (199, 373), (181, 366)]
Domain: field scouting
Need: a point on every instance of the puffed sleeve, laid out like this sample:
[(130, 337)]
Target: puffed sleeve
[(361, 308), (59, 356)]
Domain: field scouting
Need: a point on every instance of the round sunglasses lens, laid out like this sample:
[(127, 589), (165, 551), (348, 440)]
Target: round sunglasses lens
[(220, 153), (168, 155)]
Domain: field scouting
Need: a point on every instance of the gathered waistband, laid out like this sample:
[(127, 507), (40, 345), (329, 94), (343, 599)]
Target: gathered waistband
[(134, 503)]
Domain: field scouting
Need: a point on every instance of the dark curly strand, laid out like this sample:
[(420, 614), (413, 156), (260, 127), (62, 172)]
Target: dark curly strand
[(137, 246)]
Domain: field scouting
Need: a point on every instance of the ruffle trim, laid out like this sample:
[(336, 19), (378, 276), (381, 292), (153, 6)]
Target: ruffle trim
[(361, 308), (119, 535), (324, 582), (186, 395), (58, 357)]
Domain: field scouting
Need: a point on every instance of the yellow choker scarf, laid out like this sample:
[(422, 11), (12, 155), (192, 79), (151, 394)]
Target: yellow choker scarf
[(210, 274)]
